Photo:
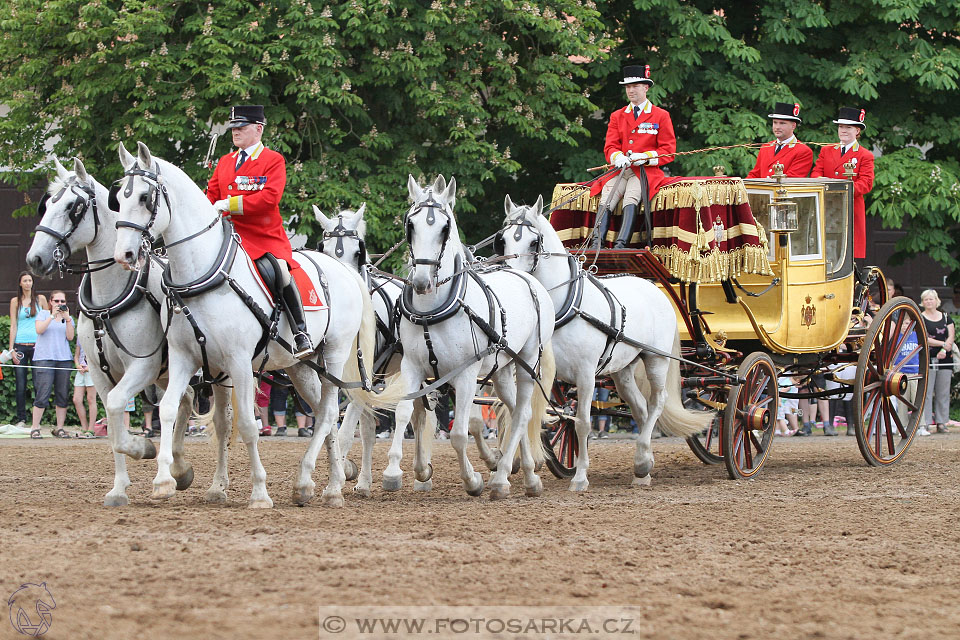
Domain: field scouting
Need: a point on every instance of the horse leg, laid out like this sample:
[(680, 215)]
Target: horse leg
[(586, 381), (425, 432), (222, 418), (320, 397), (164, 486), (345, 438), (476, 430), (242, 378), (465, 386), (500, 480), (182, 470), (645, 411), (368, 437), (393, 474)]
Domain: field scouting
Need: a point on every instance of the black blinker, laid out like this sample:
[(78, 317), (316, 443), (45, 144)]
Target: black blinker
[(113, 203), (42, 206)]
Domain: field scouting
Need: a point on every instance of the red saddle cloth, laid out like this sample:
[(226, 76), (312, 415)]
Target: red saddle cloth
[(309, 295)]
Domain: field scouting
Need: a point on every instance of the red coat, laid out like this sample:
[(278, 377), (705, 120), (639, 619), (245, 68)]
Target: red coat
[(796, 158), (652, 131), (830, 165), (254, 191)]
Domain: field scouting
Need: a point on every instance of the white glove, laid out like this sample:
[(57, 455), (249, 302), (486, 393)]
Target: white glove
[(621, 161), (222, 205), (638, 159)]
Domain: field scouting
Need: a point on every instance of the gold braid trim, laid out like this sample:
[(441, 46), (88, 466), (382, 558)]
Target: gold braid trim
[(700, 193), (694, 266), (583, 202)]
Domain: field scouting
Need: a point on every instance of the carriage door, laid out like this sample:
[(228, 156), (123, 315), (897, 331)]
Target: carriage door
[(807, 311)]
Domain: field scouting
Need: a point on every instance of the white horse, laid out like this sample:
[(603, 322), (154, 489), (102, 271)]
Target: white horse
[(458, 323), (343, 239), (157, 198), (75, 216), (624, 303)]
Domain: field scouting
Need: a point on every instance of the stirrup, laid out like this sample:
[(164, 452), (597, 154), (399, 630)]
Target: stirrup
[(303, 347)]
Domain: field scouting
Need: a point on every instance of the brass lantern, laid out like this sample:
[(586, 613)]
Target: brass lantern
[(783, 212)]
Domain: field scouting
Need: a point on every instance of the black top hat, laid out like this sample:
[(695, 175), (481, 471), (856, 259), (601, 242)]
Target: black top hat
[(786, 111), (246, 114), (852, 116), (637, 73)]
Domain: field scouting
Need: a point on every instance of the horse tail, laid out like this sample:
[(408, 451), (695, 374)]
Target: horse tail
[(366, 340), (202, 419), (676, 419)]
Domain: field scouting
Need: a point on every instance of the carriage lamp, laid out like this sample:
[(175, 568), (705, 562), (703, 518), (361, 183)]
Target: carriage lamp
[(783, 212)]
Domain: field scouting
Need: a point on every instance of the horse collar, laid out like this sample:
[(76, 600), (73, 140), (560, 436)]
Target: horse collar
[(442, 311)]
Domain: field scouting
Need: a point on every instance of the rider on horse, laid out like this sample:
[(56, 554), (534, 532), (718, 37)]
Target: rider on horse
[(796, 157), (247, 185), (637, 135)]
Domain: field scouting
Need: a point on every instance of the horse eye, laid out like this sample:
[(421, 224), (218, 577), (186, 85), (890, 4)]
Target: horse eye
[(143, 199)]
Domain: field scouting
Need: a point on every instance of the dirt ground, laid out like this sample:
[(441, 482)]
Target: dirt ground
[(819, 546)]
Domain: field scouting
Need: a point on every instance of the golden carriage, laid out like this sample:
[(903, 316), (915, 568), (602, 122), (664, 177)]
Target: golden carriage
[(767, 297)]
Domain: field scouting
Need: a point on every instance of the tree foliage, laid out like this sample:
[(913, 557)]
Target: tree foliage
[(510, 97)]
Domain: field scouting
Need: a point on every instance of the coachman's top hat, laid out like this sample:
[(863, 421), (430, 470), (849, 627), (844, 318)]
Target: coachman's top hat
[(852, 116), (637, 73), (243, 115), (786, 111)]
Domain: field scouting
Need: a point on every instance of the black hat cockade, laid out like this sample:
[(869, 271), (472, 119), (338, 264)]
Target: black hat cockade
[(637, 73), (243, 115), (786, 111), (852, 116)]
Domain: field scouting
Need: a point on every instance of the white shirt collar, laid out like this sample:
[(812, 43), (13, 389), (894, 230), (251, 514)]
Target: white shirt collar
[(252, 150), (788, 141), (644, 107)]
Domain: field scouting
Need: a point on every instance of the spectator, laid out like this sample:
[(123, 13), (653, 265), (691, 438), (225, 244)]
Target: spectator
[(601, 422), (23, 337), (788, 409), (83, 387), (263, 407), (52, 357), (952, 306), (817, 382), (911, 368), (278, 406), (940, 339)]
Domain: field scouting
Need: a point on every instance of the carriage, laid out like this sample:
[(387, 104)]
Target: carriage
[(759, 319)]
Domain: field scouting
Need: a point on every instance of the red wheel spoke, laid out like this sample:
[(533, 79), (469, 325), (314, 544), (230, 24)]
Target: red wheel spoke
[(896, 368), (738, 444), (756, 443), (760, 387), (888, 424), (909, 404), (900, 427), (874, 402), (747, 452)]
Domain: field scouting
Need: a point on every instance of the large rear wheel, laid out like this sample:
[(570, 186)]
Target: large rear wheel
[(750, 417), (560, 442), (891, 383), (706, 445)]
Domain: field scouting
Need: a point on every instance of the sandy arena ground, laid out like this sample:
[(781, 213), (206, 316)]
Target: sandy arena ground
[(819, 546)]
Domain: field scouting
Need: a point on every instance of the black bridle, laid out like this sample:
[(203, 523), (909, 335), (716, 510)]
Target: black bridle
[(430, 205), (86, 198), (156, 188), (499, 246), (340, 232)]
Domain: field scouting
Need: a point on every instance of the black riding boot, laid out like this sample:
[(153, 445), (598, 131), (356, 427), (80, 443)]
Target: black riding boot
[(626, 226), (294, 309), (604, 225)]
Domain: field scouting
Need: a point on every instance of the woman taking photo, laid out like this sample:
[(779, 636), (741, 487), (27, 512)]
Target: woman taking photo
[(940, 338), (23, 336), (54, 361)]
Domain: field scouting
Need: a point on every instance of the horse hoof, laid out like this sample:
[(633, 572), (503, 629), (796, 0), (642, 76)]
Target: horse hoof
[(303, 495), (423, 486), (185, 479), (642, 482), (149, 451), (579, 487), (535, 489), (641, 469), (333, 500), (427, 474), (476, 487), (262, 503), (363, 492), (112, 500), (499, 491), (215, 496), (350, 470), (392, 483), (164, 491)]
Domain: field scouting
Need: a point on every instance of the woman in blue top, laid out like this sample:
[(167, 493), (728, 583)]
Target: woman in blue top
[(54, 361), (23, 335)]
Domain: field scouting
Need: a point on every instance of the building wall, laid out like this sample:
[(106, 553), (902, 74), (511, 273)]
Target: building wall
[(916, 274)]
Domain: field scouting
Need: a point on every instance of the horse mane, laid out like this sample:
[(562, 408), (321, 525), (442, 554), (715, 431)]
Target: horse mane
[(59, 183)]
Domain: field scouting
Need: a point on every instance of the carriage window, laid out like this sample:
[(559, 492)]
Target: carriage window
[(805, 242), (836, 224), (760, 206)]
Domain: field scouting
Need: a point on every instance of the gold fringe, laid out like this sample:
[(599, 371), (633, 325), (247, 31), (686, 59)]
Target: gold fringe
[(716, 265), (700, 193), (583, 202)]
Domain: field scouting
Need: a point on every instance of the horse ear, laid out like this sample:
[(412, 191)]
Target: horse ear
[(324, 221), (62, 173), (126, 159), (80, 170), (413, 188), (538, 205), (507, 205), (361, 221), (439, 184), (146, 160), (451, 193), (358, 214)]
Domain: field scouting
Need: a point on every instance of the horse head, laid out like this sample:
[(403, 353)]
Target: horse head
[(143, 203), (69, 218), (521, 236), (343, 236), (431, 230)]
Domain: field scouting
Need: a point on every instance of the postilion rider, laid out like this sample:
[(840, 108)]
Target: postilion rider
[(639, 135), (247, 185), (796, 157), (830, 164)]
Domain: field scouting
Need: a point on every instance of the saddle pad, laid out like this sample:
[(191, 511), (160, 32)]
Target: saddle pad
[(309, 295)]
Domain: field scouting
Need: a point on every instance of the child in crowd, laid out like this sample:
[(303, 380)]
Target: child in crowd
[(83, 388), (788, 409)]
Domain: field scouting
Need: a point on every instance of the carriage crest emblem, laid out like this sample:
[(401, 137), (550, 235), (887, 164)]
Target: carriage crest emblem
[(808, 314), (30, 608)]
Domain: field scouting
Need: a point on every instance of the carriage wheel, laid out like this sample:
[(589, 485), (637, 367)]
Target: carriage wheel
[(750, 417), (706, 445), (560, 442), (888, 394)]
